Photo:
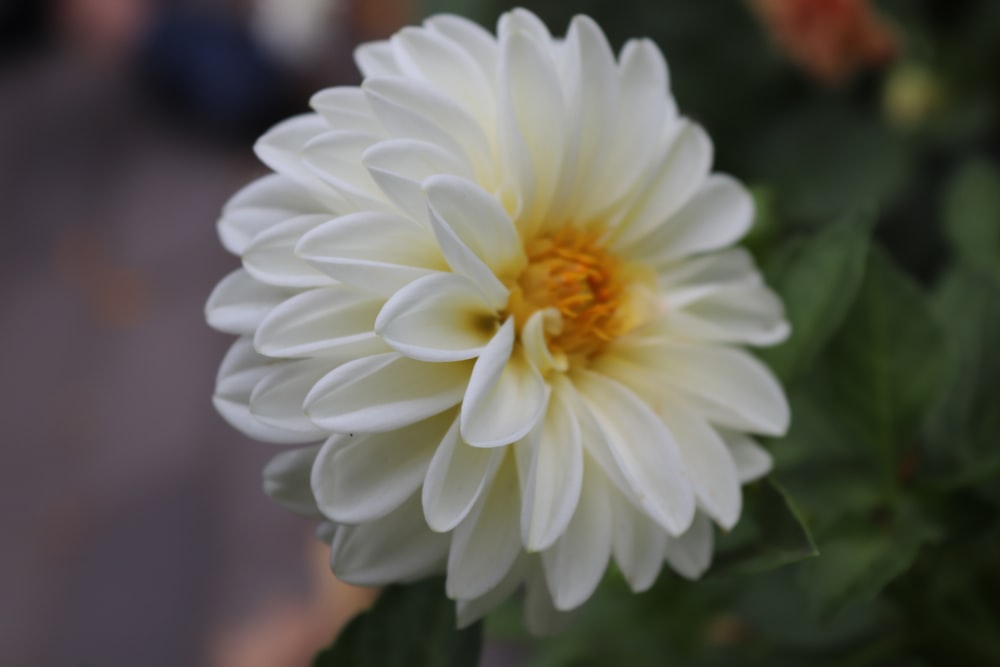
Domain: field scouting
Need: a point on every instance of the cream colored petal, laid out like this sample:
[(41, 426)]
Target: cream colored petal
[(541, 616), (639, 544), (286, 480), (364, 477), (336, 159), (691, 553), (279, 397), (477, 42), (376, 59), (385, 392), (486, 544), (239, 303), (259, 206), (332, 322), (506, 395), (441, 317), (346, 108), (280, 148), (457, 476), (745, 313), (471, 610), (270, 258), (752, 461)]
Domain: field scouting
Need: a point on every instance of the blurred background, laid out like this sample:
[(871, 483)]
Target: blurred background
[(134, 528)]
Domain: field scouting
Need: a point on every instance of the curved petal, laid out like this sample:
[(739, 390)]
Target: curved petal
[(691, 553), (639, 544), (541, 616), (555, 478), (575, 564), (279, 396), (286, 480), (735, 313), (471, 610), (442, 317), (477, 42), (752, 461), (336, 158), (456, 477), (644, 450), (259, 206), (485, 545), (361, 478), (385, 392), (280, 148), (708, 465), (506, 395), (346, 108), (378, 252), (376, 59), (398, 548), (239, 303), (334, 322), (270, 258)]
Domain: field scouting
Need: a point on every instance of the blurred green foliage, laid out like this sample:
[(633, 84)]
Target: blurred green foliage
[(879, 224)]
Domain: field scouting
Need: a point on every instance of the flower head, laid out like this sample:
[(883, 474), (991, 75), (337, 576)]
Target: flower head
[(496, 281)]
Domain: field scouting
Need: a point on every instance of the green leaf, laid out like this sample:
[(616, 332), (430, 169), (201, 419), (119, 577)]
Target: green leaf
[(886, 365), (411, 626), (972, 215), (771, 533), (818, 280), (860, 556)]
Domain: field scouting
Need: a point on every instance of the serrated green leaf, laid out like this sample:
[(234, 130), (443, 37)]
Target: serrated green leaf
[(771, 533), (886, 366), (972, 215), (409, 626), (818, 280)]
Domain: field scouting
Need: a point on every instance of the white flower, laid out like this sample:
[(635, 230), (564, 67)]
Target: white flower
[(495, 279)]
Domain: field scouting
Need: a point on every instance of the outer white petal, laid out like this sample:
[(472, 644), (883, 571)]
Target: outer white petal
[(239, 303), (280, 148), (475, 40), (708, 465), (241, 370), (270, 257), (541, 616), (396, 548), (378, 252), (719, 214), (278, 398), (575, 564), (385, 392), (286, 480), (456, 477), (376, 59), (639, 544), (732, 265), (506, 395), (471, 610), (400, 166), (346, 108), (555, 477), (336, 159), (260, 205), (644, 450), (334, 322), (411, 110), (361, 478), (735, 313), (691, 553), (486, 544), (752, 461), (522, 21), (441, 317)]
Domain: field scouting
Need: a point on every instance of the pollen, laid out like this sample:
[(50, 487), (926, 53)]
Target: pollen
[(573, 273)]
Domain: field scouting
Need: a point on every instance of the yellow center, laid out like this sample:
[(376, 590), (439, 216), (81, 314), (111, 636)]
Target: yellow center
[(571, 272)]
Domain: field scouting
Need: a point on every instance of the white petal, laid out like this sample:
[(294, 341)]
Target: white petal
[(644, 450), (708, 465), (540, 614), (362, 478), (639, 544), (506, 397), (523, 21), (691, 553), (376, 59), (271, 258), (280, 148), (682, 170), (752, 461), (240, 371), (475, 233), (471, 610), (400, 166), (239, 303), (457, 476), (486, 544), (575, 564), (346, 108), (734, 313), (733, 265), (279, 396), (441, 317), (555, 477), (398, 548), (334, 322), (410, 110), (719, 214), (260, 205), (535, 345), (336, 158), (374, 251), (385, 392), (286, 480), (422, 54), (477, 42)]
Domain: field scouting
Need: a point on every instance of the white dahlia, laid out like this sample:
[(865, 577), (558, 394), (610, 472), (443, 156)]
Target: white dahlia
[(494, 281)]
